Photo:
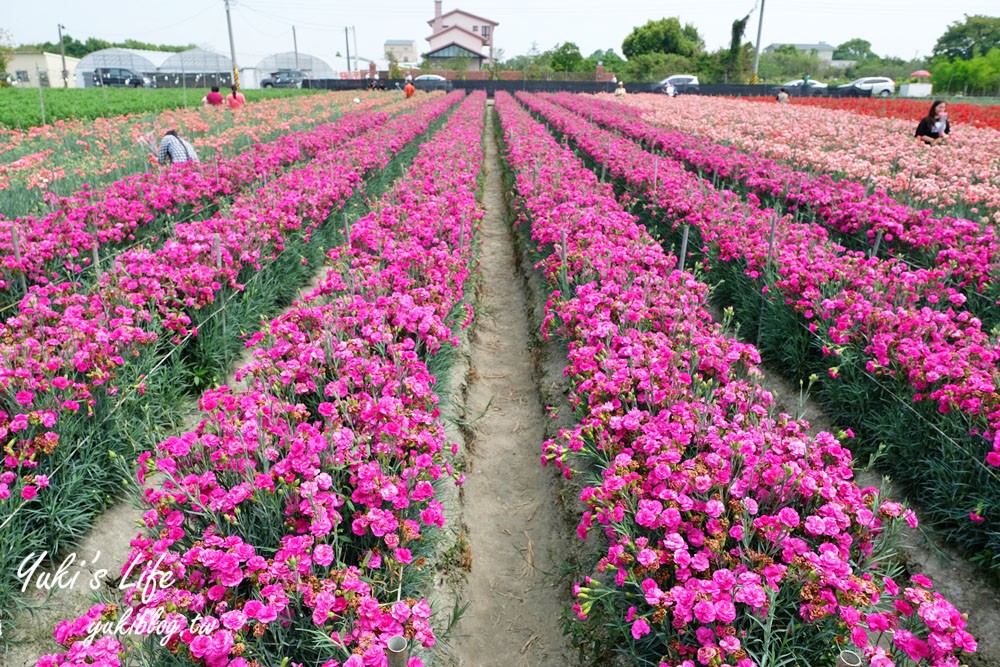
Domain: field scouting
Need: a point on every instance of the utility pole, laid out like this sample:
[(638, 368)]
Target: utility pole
[(756, 51), (347, 41), (354, 33), (232, 47), (62, 51), (295, 43)]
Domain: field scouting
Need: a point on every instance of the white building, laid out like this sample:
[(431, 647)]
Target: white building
[(459, 34), (41, 69), (403, 50)]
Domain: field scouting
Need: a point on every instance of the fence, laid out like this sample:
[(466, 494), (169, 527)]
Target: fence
[(535, 86)]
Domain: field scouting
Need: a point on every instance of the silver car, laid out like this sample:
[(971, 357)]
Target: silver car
[(880, 86)]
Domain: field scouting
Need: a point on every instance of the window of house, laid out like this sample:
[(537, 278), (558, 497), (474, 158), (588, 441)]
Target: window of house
[(22, 76), (475, 28), (486, 31)]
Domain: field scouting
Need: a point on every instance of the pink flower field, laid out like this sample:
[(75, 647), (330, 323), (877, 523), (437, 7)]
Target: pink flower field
[(271, 353), (879, 152)]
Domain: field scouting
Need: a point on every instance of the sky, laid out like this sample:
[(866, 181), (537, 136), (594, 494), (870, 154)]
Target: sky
[(901, 28)]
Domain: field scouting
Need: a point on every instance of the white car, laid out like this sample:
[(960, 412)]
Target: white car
[(797, 83), (880, 86), (683, 83), (432, 82)]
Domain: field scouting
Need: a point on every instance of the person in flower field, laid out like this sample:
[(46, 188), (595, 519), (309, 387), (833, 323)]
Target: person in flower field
[(409, 89), (934, 128), (235, 99), (213, 99), (782, 96), (174, 150), (620, 89)]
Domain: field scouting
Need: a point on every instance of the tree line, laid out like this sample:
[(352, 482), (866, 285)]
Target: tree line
[(965, 59)]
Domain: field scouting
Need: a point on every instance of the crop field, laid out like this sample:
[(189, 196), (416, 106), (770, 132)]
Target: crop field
[(457, 381), (974, 113), (23, 108)]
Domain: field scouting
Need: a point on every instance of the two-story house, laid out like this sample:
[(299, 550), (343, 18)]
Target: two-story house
[(459, 34)]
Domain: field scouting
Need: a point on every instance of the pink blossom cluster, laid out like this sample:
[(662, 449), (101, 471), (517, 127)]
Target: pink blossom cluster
[(907, 322), (880, 151), (30, 246), (64, 347), (715, 512), (40, 158), (300, 499), (968, 250)]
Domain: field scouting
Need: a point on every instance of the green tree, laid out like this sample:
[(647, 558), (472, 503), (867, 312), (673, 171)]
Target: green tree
[(786, 62), (94, 44), (978, 75), (460, 64), (6, 49), (611, 60), (663, 36), (976, 36), (394, 71), (655, 66), (854, 49), (734, 66), (694, 37), (894, 68), (77, 49), (74, 47), (566, 57)]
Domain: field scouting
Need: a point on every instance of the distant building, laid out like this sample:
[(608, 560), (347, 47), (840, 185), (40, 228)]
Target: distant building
[(403, 50), (40, 69), (459, 34), (823, 50)]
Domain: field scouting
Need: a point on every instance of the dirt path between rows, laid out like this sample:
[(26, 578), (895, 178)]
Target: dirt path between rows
[(516, 536)]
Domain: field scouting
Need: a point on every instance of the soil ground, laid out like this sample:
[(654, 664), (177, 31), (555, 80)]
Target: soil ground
[(516, 537)]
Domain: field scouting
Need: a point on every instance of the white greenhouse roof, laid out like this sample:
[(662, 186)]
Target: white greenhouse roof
[(196, 60), (135, 59), (317, 67)]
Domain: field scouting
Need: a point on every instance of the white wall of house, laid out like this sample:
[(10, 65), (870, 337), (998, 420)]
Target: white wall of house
[(456, 36), (469, 31), (404, 51)]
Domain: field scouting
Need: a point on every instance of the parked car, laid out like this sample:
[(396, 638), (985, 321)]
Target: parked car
[(432, 82), (797, 83), (285, 78), (120, 77), (683, 83), (880, 86)]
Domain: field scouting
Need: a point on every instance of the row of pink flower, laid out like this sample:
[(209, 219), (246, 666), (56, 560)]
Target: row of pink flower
[(711, 508), (335, 438), (29, 246), (879, 151), (39, 158), (65, 346), (967, 249), (907, 322)]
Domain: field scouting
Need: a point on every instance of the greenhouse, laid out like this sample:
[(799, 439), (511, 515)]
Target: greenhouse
[(144, 63), (317, 67), (195, 68)]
